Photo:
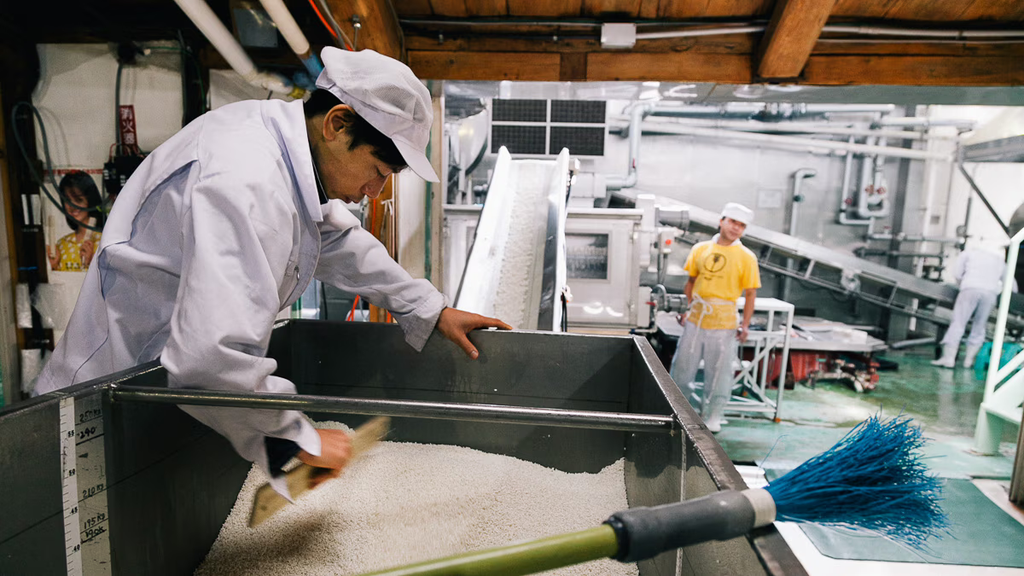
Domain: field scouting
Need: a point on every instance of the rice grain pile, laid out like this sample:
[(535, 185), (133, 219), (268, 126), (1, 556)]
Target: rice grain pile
[(523, 246), (403, 503)]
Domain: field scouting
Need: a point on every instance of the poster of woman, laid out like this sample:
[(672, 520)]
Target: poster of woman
[(82, 203)]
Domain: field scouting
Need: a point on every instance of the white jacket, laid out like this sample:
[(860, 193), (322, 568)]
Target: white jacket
[(216, 232), (978, 269)]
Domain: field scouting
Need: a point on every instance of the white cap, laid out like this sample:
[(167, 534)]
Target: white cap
[(738, 212), (385, 93)]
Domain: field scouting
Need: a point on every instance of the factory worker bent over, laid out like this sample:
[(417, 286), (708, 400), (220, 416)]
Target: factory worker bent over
[(720, 269), (224, 225), (979, 273)]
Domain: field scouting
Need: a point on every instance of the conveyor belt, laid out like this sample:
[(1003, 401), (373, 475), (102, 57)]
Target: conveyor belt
[(516, 268), (840, 272)]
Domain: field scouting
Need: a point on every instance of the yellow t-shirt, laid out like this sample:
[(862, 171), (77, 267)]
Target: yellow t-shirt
[(70, 250), (722, 274)]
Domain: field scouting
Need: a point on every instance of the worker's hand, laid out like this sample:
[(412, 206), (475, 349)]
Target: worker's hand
[(682, 316), (455, 325), (743, 333), (335, 451)]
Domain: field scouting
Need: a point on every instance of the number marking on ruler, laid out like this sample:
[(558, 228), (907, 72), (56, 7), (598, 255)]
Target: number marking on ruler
[(83, 463), (69, 477)]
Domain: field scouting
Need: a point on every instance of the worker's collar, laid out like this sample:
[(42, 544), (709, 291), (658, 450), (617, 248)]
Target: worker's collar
[(714, 239), (319, 184), (288, 122)]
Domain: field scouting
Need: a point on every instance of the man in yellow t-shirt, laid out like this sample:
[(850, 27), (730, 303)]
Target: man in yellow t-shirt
[(721, 270)]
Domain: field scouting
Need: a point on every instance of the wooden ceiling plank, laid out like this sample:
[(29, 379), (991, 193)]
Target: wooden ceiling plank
[(379, 29), (999, 10), (840, 48), (649, 9), (911, 10), (688, 9), (413, 8), (487, 8), (676, 67), (611, 8), (529, 66), (449, 8), (573, 67), (790, 37), (914, 71), (560, 9)]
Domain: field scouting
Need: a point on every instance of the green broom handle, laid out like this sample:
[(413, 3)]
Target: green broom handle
[(520, 559), (628, 536)]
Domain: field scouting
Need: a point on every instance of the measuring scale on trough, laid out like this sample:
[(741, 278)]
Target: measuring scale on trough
[(84, 483)]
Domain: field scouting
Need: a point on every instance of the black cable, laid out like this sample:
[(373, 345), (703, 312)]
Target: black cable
[(565, 314), (49, 167), (117, 107)]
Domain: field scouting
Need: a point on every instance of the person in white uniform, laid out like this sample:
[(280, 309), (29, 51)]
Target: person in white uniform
[(721, 270), (979, 273), (224, 225)]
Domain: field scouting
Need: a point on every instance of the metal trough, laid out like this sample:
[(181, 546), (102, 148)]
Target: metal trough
[(571, 402)]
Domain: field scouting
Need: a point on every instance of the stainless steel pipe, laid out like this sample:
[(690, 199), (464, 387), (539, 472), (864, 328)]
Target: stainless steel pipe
[(399, 408)]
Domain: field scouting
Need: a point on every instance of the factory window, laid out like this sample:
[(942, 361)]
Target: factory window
[(578, 111), (519, 110), (586, 256), (544, 127), (519, 139)]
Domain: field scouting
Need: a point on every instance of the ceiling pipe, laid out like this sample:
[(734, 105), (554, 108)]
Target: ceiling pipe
[(637, 112), (774, 111), (288, 28), (700, 32), (836, 29), (702, 29), (794, 142), (844, 196), (210, 25), (872, 197), (794, 202), (922, 33), (925, 123), (800, 127)]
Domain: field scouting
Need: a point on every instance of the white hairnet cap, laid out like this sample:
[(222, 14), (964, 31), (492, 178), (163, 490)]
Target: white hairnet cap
[(738, 212), (385, 93)]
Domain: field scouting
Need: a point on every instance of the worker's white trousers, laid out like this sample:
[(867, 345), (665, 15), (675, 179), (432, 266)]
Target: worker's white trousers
[(970, 303), (718, 349)]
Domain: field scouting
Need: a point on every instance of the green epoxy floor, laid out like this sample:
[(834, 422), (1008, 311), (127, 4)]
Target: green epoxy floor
[(945, 402)]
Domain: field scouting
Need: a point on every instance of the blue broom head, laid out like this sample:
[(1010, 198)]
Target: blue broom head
[(873, 479)]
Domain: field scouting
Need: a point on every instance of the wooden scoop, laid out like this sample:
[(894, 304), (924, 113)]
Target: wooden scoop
[(267, 501)]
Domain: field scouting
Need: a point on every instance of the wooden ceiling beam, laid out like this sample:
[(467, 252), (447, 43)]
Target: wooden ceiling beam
[(791, 35), (669, 67), (529, 66), (914, 70), (821, 69), (535, 9), (379, 29)]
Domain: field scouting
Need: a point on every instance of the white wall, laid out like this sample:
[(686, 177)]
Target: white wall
[(75, 97), (412, 195)]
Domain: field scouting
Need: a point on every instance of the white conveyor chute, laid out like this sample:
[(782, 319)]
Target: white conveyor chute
[(516, 268)]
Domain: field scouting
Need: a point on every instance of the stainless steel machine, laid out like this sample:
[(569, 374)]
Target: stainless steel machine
[(572, 402)]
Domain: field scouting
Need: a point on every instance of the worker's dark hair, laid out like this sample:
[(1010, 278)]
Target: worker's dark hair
[(359, 129), (87, 186)]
